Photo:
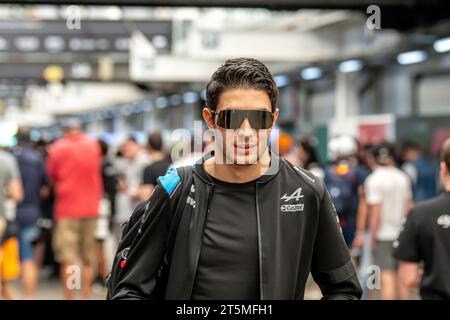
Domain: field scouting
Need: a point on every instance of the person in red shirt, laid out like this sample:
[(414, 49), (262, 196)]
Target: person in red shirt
[(74, 165)]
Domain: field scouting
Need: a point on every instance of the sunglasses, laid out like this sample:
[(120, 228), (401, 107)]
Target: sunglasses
[(232, 118)]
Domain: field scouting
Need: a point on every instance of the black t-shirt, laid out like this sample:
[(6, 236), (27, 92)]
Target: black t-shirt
[(109, 178), (155, 170), (228, 266), (426, 237)]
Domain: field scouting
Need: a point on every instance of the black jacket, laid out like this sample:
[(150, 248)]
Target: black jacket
[(298, 233)]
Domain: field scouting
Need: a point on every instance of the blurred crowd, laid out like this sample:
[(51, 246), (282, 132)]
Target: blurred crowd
[(64, 200)]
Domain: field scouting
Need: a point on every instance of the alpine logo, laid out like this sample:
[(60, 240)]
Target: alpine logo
[(296, 195)]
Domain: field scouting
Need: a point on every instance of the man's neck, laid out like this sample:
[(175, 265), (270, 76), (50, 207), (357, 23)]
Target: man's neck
[(235, 173), (157, 155)]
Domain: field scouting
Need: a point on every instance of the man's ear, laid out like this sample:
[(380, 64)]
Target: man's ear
[(208, 117)]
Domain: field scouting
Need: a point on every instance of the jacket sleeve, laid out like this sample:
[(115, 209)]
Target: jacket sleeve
[(332, 267), (140, 257)]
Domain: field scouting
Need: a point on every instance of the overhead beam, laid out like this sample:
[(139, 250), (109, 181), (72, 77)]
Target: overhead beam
[(270, 4)]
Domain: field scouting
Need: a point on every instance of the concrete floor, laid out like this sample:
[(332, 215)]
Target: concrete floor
[(50, 289)]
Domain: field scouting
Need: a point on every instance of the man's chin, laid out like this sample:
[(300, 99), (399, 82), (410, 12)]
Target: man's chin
[(245, 160)]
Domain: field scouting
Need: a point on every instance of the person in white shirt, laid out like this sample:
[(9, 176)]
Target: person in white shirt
[(389, 198)]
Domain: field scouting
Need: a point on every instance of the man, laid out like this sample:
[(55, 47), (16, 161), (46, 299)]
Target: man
[(426, 239), (10, 183), (32, 171), (131, 170), (106, 212), (389, 197), (74, 165), (138, 159), (422, 171), (160, 162), (344, 180), (252, 226)]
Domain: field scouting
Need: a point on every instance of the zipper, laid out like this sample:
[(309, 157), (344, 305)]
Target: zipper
[(258, 221)]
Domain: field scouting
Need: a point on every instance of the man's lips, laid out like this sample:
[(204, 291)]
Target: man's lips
[(245, 146)]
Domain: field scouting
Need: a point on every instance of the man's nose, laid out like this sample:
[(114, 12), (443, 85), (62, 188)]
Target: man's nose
[(245, 129), (245, 125)]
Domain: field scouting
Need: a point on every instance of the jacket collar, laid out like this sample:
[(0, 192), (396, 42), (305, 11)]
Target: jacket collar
[(275, 165)]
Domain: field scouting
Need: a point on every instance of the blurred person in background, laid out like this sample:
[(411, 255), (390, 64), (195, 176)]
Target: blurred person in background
[(422, 171), (389, 198), (284, 144), (308, 156), (74, 165), (11, 193), (361, 246), (130, 164), (137, 159), (44, 251), (425, 239), (301, 153), (107, 210), (122, 201), (344, 179), (34, 179), (160, 162), (367, 165)]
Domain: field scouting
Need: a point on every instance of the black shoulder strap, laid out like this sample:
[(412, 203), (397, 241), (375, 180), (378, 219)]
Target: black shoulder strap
[(186, 176)]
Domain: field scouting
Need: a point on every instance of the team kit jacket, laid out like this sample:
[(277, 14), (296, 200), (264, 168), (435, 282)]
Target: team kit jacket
[(297, 226)]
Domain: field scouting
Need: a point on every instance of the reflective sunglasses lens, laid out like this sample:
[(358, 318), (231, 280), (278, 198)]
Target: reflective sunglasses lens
[(232, 119)]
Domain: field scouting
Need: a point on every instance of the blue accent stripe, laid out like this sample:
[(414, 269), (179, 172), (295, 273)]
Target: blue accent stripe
[(170, 181)]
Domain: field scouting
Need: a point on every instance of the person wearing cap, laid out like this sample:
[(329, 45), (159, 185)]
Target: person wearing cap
[(74, 166), (389, 198), (34, 180), (344, 178)]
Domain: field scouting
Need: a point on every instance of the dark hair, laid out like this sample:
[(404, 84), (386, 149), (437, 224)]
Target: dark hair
[(103, 147), (309, 147), (445, 153), (23, 136), (241, 73), (132, 138), (382, 152), (410, 145), (155, 141), (368, 148)]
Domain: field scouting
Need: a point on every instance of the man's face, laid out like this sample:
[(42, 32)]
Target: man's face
[(130, 149), (411, 155), (245, 145)]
